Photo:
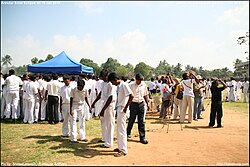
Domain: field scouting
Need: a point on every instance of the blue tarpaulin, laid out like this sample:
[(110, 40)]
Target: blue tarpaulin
[(62, 64)]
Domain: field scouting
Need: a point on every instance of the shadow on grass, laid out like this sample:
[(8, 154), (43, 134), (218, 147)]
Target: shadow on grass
[(88, 149), (197, 127), (11, 121)]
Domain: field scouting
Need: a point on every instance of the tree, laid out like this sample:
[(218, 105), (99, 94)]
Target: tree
[(40, 61), (122, 71), (130, 67), (162, 68), (110, 65), (90, 63), (6, 60), (144, 69), (34, 60), (49, 57), (21, 70), (177, 71), (244, 40)]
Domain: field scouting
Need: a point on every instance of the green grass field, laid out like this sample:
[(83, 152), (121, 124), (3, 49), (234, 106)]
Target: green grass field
[(35, 144)]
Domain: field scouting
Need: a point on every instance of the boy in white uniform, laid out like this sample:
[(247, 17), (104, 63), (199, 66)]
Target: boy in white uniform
[(32, 92), (107, 114), (65, 104), (77, 97), (12, 83), (25, 94), (124, 99)]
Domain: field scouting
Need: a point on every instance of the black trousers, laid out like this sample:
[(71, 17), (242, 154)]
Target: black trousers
[(53, 102), (137, 110), (216, 111)]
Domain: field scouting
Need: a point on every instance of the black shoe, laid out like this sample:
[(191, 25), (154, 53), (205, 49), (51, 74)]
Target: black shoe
[(35, 122), (100, 141), (219, 126), (144, 141), (117, 150), (65, 136), (200, 118), (103, 146), (85, 140)]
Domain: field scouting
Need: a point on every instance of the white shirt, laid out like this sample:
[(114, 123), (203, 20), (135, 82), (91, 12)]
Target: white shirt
[(107, 91), (238, 85), (233, 84), (188, 87), (123, 92), (139, 91), (245, 87), (78, 96), (31, 90), (162, 86), (151, 85), (99, 85), (53, 88), (12, 82), (73, 84), (25, 87), (65, 93)]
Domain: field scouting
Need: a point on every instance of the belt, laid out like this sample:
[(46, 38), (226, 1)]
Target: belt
[(137, 102)]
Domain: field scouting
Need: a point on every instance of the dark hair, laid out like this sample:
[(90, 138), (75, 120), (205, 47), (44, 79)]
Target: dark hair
[(80, 83), (124, 78), (47, 78), (65, 77), (185, 75), (25, 75), (112, 76), (11, 72), (139, 76), (152, 79), (54, 76), (32, 77)]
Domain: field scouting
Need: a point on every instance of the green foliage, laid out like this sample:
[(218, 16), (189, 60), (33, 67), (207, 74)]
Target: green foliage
[(34, 60), (49, 57), (122, 71), (144, 69), (6, 60), (90, 63), (111, 65)]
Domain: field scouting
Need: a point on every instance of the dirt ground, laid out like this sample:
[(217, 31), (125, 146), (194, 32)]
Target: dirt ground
[(195, 145)]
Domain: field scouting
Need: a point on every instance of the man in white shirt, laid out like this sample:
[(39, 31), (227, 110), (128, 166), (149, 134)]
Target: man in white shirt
[(246, 90), (137, 108), (77, 97), (107, 114), (65, 104), (232, 91), (238, 89), (25, 93), (53, 92), (32, 92), (13, 83), (188, 96), (124, 99), (152, 86)]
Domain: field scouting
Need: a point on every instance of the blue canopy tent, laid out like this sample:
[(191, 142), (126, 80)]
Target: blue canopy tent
[(62, 64)]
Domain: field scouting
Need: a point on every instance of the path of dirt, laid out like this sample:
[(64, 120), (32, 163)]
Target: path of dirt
[(196, 144)]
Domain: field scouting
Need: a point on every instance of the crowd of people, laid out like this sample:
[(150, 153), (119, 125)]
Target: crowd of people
[(72, 99)]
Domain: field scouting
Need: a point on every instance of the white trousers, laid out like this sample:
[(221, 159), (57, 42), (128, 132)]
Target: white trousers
[(65, 124), (98, 107), (177, 107), (43, 109), (12, 104), (187, 102), (232, 96), (25, 104), (29, 112), (3, 106), (109, 124), (78, 111), (246, 96), (121, 130), (37, 107), (88, 115)]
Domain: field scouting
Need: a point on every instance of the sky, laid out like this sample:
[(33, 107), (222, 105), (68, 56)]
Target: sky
[(196, 33)]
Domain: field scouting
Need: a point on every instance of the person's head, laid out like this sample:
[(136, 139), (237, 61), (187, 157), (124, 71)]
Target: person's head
[(47, 78), (82, 76), (139, 77), (185, 76), (73, 78), (32, 77), (66, 79), (113, 78), (25, 77), (215, 83), (54, 76), (80, 85), (104, 75), (124, 78), (199, 77), (11, 72), (152, 79)]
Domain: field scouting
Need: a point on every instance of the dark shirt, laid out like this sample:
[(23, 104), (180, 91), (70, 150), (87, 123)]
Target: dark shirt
[(216, 93)]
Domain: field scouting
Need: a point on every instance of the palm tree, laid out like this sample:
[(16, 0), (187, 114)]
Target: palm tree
[(6, 60)]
